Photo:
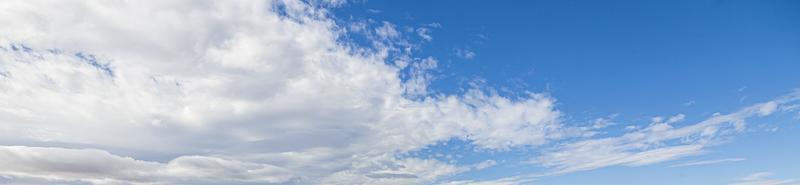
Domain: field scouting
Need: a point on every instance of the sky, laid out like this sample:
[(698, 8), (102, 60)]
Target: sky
[(400, 92)]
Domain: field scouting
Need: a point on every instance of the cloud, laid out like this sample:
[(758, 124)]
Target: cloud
[(760, 178), (465, 53), (388, 31), (97, 166), (393, 171), (229, 92), (500, 181), (485, 164), (656, 143), (424, 33), (707, 162), (603, 153), (259, 92)]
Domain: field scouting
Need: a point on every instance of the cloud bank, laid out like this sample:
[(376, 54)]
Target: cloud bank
[(227, 92)]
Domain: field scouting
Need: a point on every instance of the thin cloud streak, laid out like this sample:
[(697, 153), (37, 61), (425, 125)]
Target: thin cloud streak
[(708, 162)]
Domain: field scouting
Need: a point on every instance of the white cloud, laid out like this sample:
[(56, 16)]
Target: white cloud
[(707, 162), (424, 33), (676, 118), (388, 31), (500, 181), (761, 178), (248, 91), (465, 53), (96, 166), (601, 123), (485, 164), (768, 108), (393, 171), (656, 143)]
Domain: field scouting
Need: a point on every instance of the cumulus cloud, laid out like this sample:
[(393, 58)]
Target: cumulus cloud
[(227, 92)]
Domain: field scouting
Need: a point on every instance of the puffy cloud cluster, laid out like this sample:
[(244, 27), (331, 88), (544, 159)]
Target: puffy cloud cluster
[(226, 92)]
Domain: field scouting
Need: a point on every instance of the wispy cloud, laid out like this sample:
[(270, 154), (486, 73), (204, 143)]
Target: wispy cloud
[(656, 143), (465, 53), (708, 162), (762, 178), (501, 181)]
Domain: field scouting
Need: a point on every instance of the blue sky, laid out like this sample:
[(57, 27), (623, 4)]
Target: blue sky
[(632, 57), (400, 92), (630, 60)]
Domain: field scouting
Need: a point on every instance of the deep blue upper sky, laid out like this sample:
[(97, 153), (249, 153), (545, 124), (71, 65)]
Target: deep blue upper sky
[(637, 57)]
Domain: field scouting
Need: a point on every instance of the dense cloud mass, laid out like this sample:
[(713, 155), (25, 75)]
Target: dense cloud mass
[(227, 92)]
